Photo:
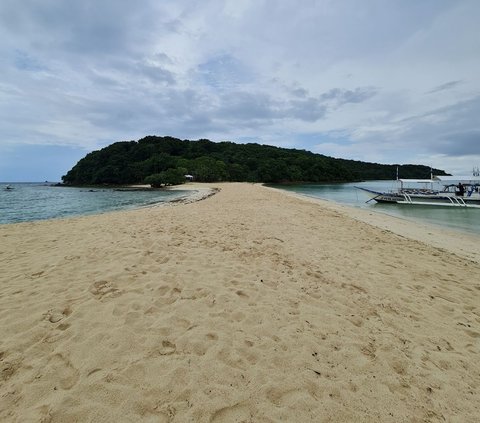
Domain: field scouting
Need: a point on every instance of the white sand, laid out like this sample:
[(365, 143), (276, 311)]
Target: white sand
[(248, 306), (463, 244)]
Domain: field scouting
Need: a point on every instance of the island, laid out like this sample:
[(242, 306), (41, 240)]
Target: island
[(166, 161)]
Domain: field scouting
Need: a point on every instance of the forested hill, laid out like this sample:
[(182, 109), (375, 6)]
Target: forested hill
[(165, 160)]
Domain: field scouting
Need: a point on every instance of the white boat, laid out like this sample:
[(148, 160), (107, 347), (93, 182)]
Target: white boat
[(446, 191), (8, 188)]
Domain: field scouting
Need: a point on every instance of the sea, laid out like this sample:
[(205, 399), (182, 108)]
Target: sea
[(39, 201), (454, 218)]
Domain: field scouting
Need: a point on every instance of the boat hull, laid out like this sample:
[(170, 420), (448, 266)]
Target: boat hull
[(438, 200)]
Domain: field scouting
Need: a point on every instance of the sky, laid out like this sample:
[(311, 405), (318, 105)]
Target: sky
[(385, 81)]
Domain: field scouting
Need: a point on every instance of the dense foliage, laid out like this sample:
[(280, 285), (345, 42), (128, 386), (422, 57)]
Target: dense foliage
[(165, 160)]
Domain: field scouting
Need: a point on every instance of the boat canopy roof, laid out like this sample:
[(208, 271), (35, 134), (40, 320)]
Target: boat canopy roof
[(457, 178), (417, 181)]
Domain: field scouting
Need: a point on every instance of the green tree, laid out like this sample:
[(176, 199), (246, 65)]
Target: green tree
[(207, 169), (155, 181), (172, 176)]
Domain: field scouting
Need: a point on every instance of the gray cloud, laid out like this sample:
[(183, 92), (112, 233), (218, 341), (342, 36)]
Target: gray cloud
[(451, 131), (460, 143), (299, 92), (86, 27), (445, 86), (245, 106), (88, 73), (309, 109), (359, 95), (156, 74), (264, 109), (342, 96)]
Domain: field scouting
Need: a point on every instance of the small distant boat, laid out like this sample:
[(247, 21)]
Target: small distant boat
[(446, 191), (8, 188)]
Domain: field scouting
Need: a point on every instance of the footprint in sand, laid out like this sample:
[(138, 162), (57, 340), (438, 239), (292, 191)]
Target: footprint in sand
[(9, 367), (162, 290), (399, 367), (472, 333), (93, 371), (105, 289), (284, 397), (212, 336), (235, 413), (63, 326), (237, 316), (173, 295), (69, 258), (63, 371), (242, 294), (54, 315), (167, 348), (369, 350)]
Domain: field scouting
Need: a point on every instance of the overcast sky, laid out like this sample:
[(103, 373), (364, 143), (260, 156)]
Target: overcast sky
[(388, 81)]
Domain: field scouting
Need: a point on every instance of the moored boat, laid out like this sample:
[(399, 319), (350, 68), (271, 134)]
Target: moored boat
[(446, 191)]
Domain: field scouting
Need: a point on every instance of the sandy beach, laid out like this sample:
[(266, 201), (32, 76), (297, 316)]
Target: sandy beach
[(251, 305)]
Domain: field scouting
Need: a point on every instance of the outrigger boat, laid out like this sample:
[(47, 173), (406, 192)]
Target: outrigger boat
[(449, 191)]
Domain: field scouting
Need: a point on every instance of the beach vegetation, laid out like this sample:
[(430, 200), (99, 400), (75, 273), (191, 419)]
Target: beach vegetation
[(171, 176)]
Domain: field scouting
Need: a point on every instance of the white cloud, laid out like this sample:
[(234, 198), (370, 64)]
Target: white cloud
[(397, 80)]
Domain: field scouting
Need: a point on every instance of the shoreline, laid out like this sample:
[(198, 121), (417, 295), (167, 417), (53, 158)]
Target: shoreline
[(250, 305), (197, 194), (192, 193), (455, 241)]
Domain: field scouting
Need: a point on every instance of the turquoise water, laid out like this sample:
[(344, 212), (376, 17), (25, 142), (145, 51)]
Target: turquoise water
[(37, 201), (459, 219)]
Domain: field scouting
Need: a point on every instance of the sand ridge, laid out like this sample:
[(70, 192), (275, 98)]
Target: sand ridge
[(248, 306)]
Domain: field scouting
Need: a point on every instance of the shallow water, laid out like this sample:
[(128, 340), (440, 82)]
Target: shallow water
[(459, 219), (39, 201)]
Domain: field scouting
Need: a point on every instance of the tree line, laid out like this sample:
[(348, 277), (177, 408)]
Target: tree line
[(166, 160)]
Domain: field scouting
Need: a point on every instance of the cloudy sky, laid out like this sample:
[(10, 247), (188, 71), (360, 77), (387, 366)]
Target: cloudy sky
[(388, 81)]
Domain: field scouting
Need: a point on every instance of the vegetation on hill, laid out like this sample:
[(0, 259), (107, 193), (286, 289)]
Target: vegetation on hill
[(165, 160)]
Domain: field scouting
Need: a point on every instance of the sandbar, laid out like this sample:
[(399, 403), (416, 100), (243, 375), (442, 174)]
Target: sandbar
[(251, 305)]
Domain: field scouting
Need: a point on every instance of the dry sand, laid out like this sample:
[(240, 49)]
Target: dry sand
[(248, 306)]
